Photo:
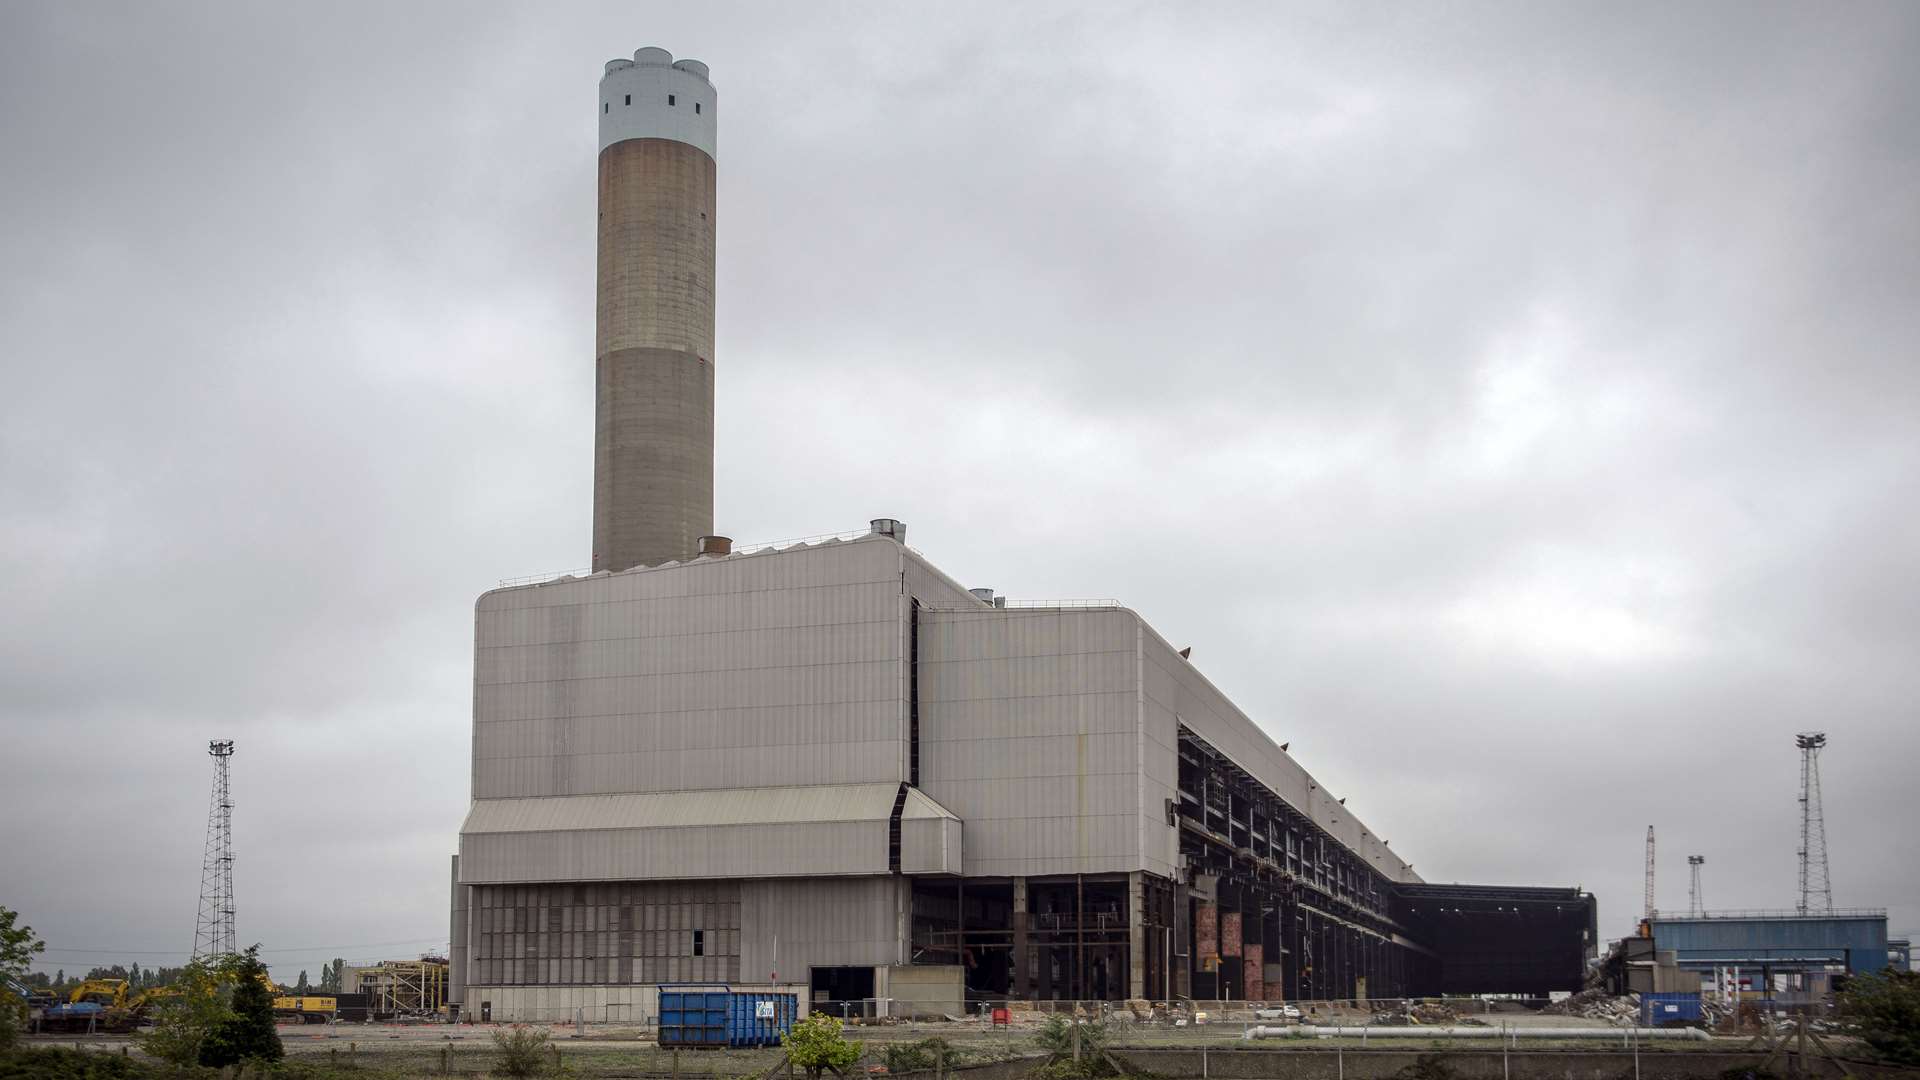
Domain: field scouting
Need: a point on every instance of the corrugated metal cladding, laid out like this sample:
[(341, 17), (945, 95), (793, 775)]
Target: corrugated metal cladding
[(755, 832), (1860, 942), (773, 669), (631, 932), (1054, 735), (1051, 733)]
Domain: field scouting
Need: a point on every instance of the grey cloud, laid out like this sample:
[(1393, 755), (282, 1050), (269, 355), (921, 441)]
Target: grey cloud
[(1513, 406)]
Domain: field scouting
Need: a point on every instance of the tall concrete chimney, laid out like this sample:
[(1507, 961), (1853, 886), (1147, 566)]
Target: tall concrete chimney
[(653, 417)]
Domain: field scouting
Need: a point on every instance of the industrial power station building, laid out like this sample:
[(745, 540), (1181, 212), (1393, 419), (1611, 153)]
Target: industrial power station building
[(831, 765)]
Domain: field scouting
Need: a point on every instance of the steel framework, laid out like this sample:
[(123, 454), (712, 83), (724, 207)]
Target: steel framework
[(1693, 888), (213, 934), (1815, 886)]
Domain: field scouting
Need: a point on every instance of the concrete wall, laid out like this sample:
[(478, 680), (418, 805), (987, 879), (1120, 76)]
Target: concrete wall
[(653, 430), (923, 990), (1312, 1063), (638, 1004)]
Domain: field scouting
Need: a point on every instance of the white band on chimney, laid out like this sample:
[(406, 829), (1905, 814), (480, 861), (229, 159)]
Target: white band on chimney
[(651, 97)]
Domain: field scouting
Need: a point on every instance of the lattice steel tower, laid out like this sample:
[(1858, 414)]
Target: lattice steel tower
[(1693, 889), (213, 934), (1816, 890)]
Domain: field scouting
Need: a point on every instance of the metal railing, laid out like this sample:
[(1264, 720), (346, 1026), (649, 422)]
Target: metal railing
[(1773, 913), (738, 549)]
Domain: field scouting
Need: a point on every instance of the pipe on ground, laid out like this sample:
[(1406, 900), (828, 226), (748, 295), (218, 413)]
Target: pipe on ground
[(1309, 1031)]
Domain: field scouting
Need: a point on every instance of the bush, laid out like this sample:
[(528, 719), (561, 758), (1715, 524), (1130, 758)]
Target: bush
[(60, 1063), (246, 1033), (1056, 1035), (1089, 1067), (13, 1017), (1883, 1009), (815, 1045), (929, 1053), (523, 1051)]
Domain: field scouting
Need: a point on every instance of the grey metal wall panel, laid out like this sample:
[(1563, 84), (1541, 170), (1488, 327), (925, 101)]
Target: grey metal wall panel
[(930, 846), (765, 669), (457, 952), (1028, 733), (824, 922), (713, 851)]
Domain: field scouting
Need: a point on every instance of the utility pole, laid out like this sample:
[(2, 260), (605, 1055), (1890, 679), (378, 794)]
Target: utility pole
[(1693, 890), (1816, 889), (1649, 904), (213, 935)]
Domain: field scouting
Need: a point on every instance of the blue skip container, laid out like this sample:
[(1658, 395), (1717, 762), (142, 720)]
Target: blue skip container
[(1669, 1008), (759, 1019), (693, 1014), (715, 1015)]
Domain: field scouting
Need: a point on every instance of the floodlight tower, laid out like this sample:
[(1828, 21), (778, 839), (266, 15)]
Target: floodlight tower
[(1693, 890), (653, 412), (1649, 904), (1816, 889), (213, 934)]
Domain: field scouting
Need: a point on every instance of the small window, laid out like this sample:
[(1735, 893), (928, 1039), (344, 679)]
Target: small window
[(669, 99), (699, 943), (696, 108), (629, 99), (603, 106)]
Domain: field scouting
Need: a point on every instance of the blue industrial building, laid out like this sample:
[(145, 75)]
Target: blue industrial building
[(1776, 943)]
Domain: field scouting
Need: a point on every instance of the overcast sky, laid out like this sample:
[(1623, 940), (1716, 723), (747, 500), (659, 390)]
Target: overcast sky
[(1517, 407)]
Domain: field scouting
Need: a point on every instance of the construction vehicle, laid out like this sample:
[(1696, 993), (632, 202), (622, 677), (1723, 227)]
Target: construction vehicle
[(304, 1008), (103, 1005), (108, 993)]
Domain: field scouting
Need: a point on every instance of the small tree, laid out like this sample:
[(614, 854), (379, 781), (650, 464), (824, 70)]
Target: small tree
[(815, 1044), (198, 1005), (1883, 1009), (302, 986), (18, 947), (247, 1034)]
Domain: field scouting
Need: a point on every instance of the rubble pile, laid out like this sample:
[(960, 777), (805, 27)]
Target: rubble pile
[(1433, 1013), (1598, 1005)]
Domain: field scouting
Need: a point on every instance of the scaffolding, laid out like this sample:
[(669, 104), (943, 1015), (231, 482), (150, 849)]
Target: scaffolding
[(400, 987)]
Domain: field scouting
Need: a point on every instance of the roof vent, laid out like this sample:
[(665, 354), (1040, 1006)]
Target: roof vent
[(985, 596), (890, 527), (716, 545), (999, 601)]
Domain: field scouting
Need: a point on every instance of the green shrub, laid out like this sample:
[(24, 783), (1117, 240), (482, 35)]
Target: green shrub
[(1883, 1009), (929, 1053), (1056, 1035), (523, 1051), (61, 1063), (247, 1032), (815, 1044)]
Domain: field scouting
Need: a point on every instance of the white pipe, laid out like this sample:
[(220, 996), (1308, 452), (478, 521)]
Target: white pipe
[(1309, 1031)]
